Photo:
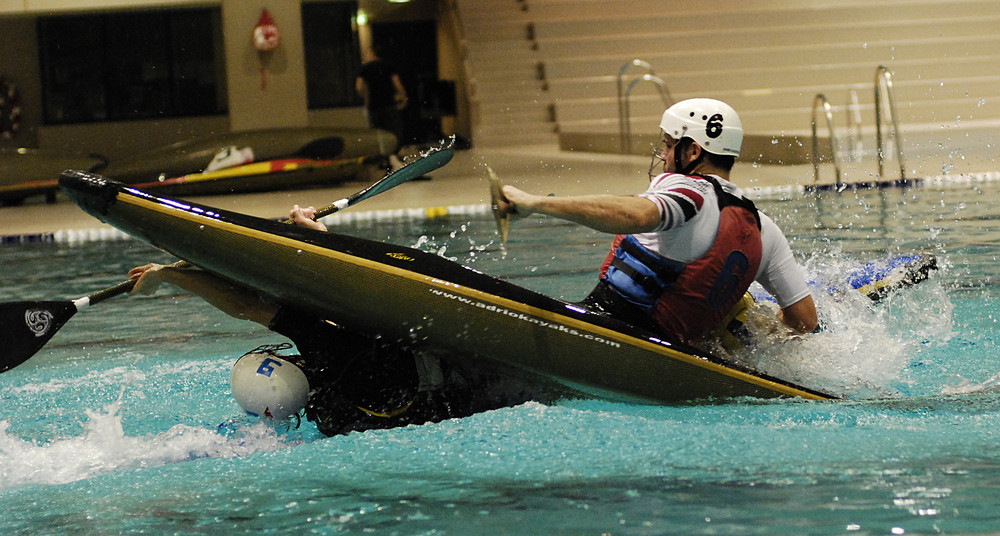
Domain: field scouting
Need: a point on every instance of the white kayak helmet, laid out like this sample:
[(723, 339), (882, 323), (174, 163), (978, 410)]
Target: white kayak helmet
[(712, 123), (265, 384)]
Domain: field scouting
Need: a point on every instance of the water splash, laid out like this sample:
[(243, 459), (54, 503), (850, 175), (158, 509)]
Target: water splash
[(446, 143), (864, 348), (104, 447), (967, 387)]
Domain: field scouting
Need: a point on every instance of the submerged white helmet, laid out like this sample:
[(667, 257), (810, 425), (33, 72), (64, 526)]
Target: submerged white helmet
[(265, 384), (712, 123)]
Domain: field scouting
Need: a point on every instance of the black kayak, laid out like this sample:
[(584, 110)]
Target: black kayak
[(409, 295)]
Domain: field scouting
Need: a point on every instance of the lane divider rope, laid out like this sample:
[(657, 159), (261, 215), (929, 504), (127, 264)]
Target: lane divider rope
[(79, 236)]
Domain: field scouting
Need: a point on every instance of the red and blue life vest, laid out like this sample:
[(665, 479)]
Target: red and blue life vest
[(690, 300)]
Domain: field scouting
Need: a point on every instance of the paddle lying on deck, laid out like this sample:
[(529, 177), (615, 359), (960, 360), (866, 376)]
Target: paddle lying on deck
[(26, 326)]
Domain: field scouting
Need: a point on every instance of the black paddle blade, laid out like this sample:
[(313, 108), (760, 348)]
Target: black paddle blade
[(26, 326)]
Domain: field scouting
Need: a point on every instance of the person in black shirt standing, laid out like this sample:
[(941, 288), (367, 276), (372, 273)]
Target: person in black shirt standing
[(384, 96)]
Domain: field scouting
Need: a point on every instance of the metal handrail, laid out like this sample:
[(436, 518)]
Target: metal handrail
[(854, 144), (884, 78), (624, 108), (661, 86), (625, 139), (820, 101)]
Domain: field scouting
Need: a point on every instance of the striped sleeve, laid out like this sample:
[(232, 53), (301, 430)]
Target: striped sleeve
[(679, 198)]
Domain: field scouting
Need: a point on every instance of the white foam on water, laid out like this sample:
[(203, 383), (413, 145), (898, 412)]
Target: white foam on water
[(91, 380), (966, 387), (104, 447), (864, 347)]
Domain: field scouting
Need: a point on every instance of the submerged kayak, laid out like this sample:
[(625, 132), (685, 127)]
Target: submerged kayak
[(404, 294)]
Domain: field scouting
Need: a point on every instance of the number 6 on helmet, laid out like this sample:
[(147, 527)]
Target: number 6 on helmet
[(712, 123)]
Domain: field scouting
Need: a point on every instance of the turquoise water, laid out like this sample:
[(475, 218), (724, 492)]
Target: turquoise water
[(123, 423)]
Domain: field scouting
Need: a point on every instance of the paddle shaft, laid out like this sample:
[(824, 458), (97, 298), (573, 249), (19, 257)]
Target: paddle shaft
[(496, 194), (93, 299)]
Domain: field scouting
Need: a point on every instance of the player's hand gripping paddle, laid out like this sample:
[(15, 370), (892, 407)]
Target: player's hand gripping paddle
[(496, 193), (26, 326)]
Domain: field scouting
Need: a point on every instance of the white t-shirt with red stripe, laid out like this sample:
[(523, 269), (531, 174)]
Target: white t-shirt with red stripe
[(689, 223)]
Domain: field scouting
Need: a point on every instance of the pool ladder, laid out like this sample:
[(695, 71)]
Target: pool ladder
[(624, 94), (883, 92)]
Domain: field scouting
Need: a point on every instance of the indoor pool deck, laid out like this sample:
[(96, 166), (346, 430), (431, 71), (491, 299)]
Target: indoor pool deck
[(463, 182)]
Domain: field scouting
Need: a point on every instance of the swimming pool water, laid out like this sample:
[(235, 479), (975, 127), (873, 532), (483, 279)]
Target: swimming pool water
[(123, 423)]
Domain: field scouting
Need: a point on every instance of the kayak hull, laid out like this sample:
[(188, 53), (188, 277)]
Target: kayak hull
[(419, 298)]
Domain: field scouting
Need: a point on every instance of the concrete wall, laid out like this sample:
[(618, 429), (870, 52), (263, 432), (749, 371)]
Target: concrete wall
[(281, 103), (266, 89), (767, 58)]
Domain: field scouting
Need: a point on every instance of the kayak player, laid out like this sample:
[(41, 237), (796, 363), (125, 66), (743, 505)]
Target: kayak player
[(352, 382), (688, 248)]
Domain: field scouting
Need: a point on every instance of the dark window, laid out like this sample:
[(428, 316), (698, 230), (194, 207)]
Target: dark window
[(134, 65), (412, 48), (332, 53)]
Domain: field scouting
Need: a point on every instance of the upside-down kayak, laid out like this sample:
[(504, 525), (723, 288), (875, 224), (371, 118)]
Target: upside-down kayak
[(410, 295)]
